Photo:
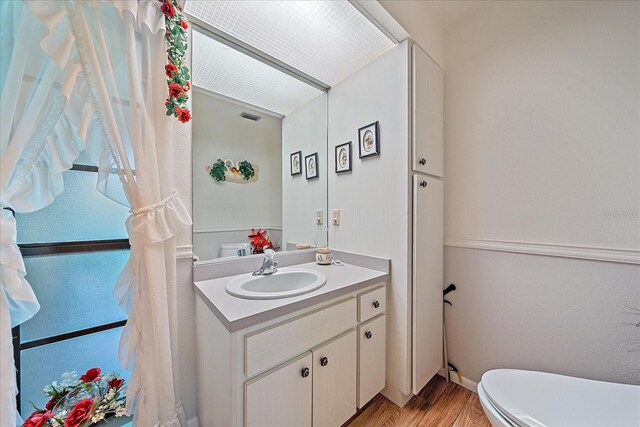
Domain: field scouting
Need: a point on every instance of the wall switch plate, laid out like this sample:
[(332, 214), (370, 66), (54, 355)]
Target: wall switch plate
[(319, 215), (335, 217)]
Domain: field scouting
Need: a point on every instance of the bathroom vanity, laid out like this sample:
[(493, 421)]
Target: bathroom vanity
[(311, 359)]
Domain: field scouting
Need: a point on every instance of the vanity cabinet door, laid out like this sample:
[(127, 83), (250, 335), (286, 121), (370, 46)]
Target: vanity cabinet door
[(428, 118), (371, 358), (282, 396), (428, 198), (334, 381)]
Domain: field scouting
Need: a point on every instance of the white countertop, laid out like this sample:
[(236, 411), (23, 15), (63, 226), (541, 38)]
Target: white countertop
[(238, 313)]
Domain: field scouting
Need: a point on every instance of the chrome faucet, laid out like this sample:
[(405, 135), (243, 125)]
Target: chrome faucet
[(269, 264)]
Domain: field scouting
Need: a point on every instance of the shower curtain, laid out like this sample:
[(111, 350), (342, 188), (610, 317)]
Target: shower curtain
[(89, 75)]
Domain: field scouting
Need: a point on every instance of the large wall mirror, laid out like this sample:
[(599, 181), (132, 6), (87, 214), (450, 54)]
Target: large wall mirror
[(259, 154)]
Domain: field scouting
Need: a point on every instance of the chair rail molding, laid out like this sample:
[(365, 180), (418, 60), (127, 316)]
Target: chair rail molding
[(235, 228), (184, 251), (625, 256)]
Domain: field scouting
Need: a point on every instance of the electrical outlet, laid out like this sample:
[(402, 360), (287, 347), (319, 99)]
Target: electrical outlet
[(319, 216), (335, 217)]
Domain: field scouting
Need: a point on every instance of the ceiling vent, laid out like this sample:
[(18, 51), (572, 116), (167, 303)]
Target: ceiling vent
[(250, 116)]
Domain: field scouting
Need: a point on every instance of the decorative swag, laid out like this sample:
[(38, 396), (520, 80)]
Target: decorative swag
[(90, 75)]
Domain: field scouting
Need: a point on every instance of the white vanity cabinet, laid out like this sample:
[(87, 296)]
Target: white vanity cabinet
[(310, 368)]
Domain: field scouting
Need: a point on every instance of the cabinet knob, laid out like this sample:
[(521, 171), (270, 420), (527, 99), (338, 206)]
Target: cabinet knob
[(423, 184), (324, 361), (423, 161), (376, 304), (368, 335), (304, 372)]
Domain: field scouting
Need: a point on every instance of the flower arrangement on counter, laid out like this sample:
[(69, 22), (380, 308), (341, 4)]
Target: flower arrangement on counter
[(176, 69), (259, 240), (80, 401)]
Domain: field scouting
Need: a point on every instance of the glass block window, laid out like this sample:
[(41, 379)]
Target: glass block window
[(74, 251)]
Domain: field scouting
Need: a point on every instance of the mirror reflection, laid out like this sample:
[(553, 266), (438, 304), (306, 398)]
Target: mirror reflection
[(259, 156)]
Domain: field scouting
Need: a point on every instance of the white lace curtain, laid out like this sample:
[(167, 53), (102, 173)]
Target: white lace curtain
[(89, 75)]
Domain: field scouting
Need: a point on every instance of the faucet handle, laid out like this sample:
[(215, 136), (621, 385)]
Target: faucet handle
[(269, 253)]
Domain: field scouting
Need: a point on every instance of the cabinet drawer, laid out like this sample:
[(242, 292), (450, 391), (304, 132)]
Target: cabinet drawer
[(372, 304), (269, 347), (371, 359)]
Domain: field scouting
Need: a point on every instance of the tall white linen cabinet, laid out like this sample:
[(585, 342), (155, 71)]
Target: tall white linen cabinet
[(428, 199), (391, 205)]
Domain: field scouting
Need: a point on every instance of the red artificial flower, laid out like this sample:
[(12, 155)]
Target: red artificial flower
[(79, 413), (167, 8), (166, 102), (116, 383), (184, 24), (187, 86), (51, 403), (37, 419), (90, 375), (183, 115), (169, 69), (175, 90)]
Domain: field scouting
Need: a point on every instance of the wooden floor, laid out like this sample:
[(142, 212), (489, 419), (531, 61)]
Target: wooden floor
[(438, 404)]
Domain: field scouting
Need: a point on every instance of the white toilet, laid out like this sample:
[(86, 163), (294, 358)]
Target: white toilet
[(229, 249), (512, 397)]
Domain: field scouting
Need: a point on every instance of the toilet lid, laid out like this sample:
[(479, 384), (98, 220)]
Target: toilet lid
[(538, 399)]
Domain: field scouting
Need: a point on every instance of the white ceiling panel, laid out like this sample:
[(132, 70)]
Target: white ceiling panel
[(226, 71), (328, 40)]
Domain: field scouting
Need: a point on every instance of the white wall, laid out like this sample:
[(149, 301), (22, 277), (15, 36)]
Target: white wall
[(220, 133), (542, 136), (421, 23), (373, 199), (304, 130)]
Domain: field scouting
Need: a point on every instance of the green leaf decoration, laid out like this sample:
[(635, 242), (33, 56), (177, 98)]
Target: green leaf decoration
[(246, 170), (217, 171)]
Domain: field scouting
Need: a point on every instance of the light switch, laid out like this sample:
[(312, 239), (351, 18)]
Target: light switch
[(319, 215), (335, 217)]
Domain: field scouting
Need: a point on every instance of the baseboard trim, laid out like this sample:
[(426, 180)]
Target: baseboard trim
[(546, 249), (464, 382), (395, 395), (193, 422)]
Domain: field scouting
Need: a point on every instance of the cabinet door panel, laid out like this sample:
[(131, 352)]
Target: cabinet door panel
[(371, 357), (427, 279), (334, 381), (428, 114), (281, 397)]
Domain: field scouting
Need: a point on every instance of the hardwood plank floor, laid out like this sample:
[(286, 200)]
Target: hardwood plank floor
[(437, 405)]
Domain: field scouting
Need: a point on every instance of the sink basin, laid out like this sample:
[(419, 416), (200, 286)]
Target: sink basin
[(287, 282)]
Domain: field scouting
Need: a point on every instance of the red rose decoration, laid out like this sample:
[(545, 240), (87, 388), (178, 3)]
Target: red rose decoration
[(184, 24), (91, 375), (51, 403), (183, 115), (167, 8), (187, 86), (169, 69), (175, 90), (116, 383), (37, 419), (79, 413)]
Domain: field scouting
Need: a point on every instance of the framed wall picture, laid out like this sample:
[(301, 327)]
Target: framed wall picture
[(296, 163), (369, 140), (343, 157), (311, 165)]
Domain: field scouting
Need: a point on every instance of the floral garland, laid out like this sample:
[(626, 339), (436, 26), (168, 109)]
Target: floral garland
[(176, 70), (80, 401)]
